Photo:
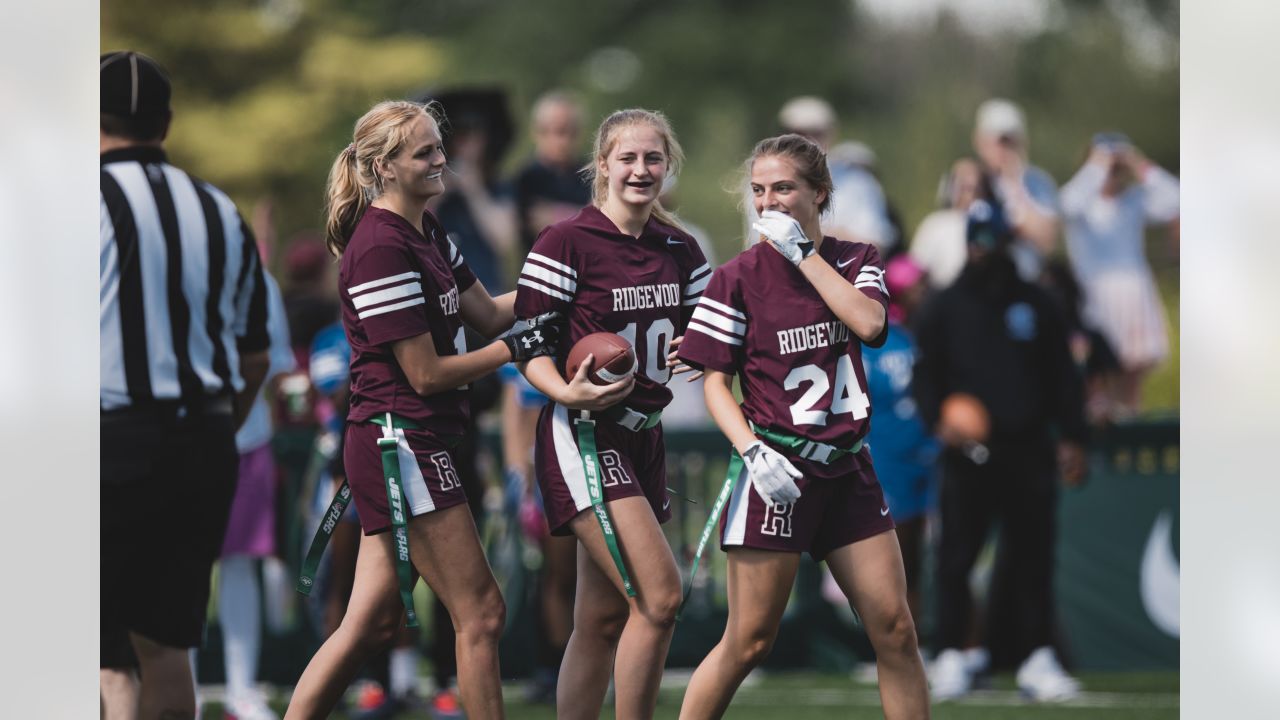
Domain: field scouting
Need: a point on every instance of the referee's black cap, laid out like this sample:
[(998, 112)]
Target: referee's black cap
[(133, 84)]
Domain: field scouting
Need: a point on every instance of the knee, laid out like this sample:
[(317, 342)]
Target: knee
[(483, 618), (896, 633), (660, 608), (376, 631), (752, 650), (606, 624)]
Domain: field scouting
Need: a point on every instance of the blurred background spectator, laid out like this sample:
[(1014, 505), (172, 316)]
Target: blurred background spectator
[(939, 247), (1028, 194), (549, 187), (476, 208), (1000, 343), (1108, 205)]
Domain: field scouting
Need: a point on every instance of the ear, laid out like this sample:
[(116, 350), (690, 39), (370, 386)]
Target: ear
[(821, 198), (602, 168)]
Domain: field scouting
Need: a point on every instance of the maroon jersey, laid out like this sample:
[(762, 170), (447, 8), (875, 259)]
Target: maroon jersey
[(396, 284), (800, 367), (604, 280)]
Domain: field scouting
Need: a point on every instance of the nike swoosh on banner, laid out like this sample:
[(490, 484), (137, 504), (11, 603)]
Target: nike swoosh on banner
[(1159, 576), (673, 242), (844, 264)]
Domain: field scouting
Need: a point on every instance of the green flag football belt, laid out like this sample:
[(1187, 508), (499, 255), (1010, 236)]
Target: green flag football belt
[(805, 448), (387, 446), (634, 421)]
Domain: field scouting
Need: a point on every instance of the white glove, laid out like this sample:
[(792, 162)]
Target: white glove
[(786, 235), (773, 476)]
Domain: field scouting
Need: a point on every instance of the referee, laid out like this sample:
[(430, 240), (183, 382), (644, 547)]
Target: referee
[(184, 351)]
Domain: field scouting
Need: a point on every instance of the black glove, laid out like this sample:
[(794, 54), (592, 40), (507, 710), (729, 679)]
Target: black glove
[(535, 337)]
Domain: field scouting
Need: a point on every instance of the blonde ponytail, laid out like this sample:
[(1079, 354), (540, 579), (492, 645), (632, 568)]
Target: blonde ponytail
[(345, 201)]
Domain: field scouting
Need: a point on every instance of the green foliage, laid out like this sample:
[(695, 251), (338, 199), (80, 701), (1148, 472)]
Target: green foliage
[(266, 91)]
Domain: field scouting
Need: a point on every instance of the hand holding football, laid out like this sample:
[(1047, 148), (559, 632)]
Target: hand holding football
[(613, 358)]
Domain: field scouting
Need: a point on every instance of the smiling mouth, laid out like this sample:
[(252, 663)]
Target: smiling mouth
[(641, 185), (435, 176)]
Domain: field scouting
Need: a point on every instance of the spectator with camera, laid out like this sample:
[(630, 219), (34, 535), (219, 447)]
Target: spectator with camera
[(1108, 205)]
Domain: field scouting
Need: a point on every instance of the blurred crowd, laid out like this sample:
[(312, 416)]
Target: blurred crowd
[(1013, 288)]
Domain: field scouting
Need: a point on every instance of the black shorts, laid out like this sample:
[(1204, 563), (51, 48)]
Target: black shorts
[(167, 485)]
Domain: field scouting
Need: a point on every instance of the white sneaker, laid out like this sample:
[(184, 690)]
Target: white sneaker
[(1042, 678), (949, 676), (250, 705), (977, 660)]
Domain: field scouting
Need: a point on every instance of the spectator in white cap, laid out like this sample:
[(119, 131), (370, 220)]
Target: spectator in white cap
[(859, 211), (1029, 194)]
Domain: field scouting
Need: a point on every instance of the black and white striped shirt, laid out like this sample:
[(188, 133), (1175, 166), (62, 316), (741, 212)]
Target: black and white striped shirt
[(181, 294)]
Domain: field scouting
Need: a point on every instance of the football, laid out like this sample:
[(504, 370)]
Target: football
[(614, 359), (964, 418)]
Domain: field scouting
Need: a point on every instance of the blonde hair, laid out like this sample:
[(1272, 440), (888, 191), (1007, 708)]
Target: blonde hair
[(607, 137), (353, 181)]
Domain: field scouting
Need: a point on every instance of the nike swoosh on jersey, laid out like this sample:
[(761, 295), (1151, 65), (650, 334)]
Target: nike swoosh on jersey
[(666, 503), (843, 264), (884, 511), (673, 242)]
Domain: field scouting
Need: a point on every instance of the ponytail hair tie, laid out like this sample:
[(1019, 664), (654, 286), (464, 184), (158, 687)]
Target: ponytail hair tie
[(350, 149)]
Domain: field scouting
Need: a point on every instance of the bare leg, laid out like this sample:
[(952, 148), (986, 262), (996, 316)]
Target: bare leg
[(446, 550), (373, 616), (558, 576), (759, 585), (119, 690), (910, 538), (871, 576), (645, 638), (599, 615), (167, 691)]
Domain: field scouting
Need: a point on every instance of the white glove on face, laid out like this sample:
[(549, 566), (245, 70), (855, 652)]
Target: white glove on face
[(772, 475), (785, 233)]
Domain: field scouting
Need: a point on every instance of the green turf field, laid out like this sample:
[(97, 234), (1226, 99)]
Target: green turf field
[(1107, 696)]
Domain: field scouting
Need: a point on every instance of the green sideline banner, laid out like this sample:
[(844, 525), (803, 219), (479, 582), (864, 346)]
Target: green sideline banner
[(1117, 572)]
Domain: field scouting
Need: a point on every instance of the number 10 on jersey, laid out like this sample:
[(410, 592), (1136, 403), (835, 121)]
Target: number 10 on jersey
[(651, 351)]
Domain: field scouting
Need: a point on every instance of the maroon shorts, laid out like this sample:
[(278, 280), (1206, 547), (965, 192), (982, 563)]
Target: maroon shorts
[(631, 463), (831, 513), (428, 475)]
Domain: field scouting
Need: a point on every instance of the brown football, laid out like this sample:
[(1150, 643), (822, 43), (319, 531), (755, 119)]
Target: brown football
[(614, 359), (964, 417)]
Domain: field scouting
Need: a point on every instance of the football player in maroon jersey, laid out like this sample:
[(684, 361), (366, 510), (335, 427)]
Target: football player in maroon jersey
[(788, 317), (621, 265), (406, 292)]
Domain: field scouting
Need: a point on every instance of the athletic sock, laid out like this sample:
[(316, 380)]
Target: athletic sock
[(403, 671), (241, 619)]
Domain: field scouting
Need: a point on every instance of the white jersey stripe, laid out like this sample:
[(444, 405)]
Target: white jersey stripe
[(705, 268), (878, 284), (551, 278), (544, 289), (711, 332), (417, 496), (735, 526), (382, 281), (722, 308), (568, 458), (538, 257), (697, 286), (455, 255), (392, 293), (720, 321), (388, 308), (193, 235)]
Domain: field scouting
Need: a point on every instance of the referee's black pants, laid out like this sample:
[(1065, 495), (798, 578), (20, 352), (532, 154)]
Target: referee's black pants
[(1016, 488), (168, 475)]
